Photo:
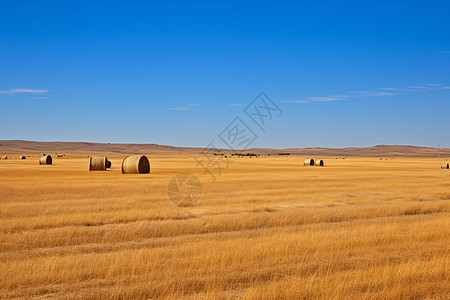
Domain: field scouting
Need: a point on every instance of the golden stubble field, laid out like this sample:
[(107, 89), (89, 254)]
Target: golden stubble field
[(359, 228)]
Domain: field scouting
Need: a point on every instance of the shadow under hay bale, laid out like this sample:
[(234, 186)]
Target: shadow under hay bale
[(45, 160), (136, 164), (309, 162), (108, 164), (97, 163), (320, 163)]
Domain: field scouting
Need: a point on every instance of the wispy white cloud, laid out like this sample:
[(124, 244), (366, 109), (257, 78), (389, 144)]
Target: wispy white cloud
[(443, 52), (41, 97), (319, 99), (378, 94), (389, 89), (326, 99), (14, 91), (385, 91), (420, 87), (295, 101), (188, 107), (234, 104)]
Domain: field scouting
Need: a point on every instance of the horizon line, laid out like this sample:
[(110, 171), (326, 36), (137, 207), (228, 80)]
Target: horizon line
[(228, 149)]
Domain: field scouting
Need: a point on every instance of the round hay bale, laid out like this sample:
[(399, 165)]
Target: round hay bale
[(45, 160), (5, 157), (23, 157), (108, 164), (320, 163), (97, 163), (445, 166), (309, 162), (136, 164)]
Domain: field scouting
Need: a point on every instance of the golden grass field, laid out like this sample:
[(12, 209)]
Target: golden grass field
[(269, 227)]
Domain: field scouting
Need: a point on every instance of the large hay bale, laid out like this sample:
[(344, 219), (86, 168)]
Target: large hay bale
[(136, 164), (445, 166), (97, 163), (320, 162), (309, 162), (45, 160)]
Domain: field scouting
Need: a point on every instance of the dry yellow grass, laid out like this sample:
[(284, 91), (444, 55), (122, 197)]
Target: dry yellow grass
[(268, 228)]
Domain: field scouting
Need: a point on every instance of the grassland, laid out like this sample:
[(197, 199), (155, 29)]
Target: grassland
[(359, 228)]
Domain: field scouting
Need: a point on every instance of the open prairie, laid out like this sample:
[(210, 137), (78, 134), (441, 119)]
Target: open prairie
[(269, 227)]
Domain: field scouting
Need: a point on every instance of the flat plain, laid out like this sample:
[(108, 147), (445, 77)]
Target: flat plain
[(268, 227)]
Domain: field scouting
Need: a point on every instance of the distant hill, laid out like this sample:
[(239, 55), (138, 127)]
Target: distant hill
[(83, 148)]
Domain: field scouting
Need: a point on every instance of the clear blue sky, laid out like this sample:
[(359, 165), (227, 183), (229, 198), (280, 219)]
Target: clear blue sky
[(345, 73)]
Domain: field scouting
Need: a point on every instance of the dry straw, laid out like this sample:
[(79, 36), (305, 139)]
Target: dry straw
[(136, 164), (320, 162), (45, 160), (309, 162), (98, 163)]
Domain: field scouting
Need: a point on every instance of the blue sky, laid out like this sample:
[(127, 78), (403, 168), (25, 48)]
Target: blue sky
[(344, 73)]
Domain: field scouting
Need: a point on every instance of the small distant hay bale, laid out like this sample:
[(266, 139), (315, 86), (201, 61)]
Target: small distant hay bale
[(23, 157), (97, 163), (320, 163), (445, 166), (136, 164), (309, 162), (45, 160), (5, 157), (43, 154)]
